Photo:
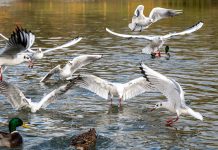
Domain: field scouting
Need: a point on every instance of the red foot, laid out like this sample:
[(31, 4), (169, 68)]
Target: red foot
[(157, 54), (170, 122)]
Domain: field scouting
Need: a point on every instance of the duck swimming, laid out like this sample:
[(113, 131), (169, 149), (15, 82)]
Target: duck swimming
[(85, 141), (12, 139)]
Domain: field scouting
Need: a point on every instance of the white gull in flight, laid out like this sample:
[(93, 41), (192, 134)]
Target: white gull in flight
[(140, 22), (108, 90), (172, 90), (14, 51), (157, 41), (72, 66), (18, 100), (39, 53)]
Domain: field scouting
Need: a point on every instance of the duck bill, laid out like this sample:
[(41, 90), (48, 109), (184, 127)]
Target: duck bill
[(25, 125), (30, 64)]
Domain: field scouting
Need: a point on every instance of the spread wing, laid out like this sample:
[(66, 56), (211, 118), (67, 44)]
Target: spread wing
[(160, 13), (56, 69), (168, 87), (150, 38), (19, 41), (83, 60), (14, 95), (70, 43), (52, 96), (189, 30), (95, 84), (136, 87)]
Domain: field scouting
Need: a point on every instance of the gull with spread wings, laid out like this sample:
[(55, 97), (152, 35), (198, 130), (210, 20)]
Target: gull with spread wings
[(19, 101), (172, 90), (140, 22), (14, 51), (157, 41), (39, 53), (72, 66), (108, 90)]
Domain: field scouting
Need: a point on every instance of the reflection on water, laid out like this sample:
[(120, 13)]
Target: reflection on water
[(193, 64)]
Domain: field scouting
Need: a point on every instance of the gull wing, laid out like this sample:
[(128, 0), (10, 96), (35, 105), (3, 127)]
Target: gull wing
[(83, 60), (97, 85), (168, 87), (19, 41), (150, 38), (13, 94), (51, 97), (158, 13), (189, 30), (70, 43), (3, 36), (56, 69), (136, 87)]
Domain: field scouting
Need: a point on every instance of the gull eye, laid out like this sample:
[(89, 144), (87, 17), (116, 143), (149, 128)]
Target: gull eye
[(24, 57), (160, 104)]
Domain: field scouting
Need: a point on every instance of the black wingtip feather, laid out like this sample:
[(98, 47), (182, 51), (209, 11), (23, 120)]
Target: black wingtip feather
[(143, 72)]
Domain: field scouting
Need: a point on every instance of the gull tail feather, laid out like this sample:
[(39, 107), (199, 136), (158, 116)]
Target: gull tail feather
[(195, 114)]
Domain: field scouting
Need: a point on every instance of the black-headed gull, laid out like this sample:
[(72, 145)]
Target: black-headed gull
[(72, 66), (157, 41), (172, 90), (18, 100), (140, 22), (108, 90), (13, 52), (39, 53)]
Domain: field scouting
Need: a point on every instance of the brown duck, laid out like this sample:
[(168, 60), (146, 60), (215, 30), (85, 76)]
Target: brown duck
[(85, 141)]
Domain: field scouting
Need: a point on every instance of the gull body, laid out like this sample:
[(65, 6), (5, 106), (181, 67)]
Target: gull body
[(71, 66), (140, 22), (172, 90), (157, 41), (19, 101)]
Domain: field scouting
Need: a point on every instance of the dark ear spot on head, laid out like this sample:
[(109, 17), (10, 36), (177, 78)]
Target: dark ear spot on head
[(160, 104)]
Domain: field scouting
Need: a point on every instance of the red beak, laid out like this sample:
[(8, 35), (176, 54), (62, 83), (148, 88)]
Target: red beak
[(30, 64)]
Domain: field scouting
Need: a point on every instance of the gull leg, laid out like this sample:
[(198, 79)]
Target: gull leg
[(1, 73), (120, 102)]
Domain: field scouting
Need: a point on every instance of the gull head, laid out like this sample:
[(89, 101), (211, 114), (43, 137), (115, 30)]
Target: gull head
[(25, 57), (158, 105)]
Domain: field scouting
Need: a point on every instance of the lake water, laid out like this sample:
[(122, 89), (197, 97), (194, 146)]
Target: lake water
[(193, 64)]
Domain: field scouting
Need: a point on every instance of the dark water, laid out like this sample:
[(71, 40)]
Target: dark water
[(193, 64)]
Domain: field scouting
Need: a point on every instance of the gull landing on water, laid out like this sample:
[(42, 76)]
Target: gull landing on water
[(172, 90), (71, 67), (140, 22), (157, 41), (14, 51), (39, 53), (18, 100), (107, 90)]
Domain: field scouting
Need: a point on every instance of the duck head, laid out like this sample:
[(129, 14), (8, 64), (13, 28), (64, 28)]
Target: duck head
[(16, 122)]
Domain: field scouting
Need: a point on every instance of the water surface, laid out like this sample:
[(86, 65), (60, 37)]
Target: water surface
[(193, 64)]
